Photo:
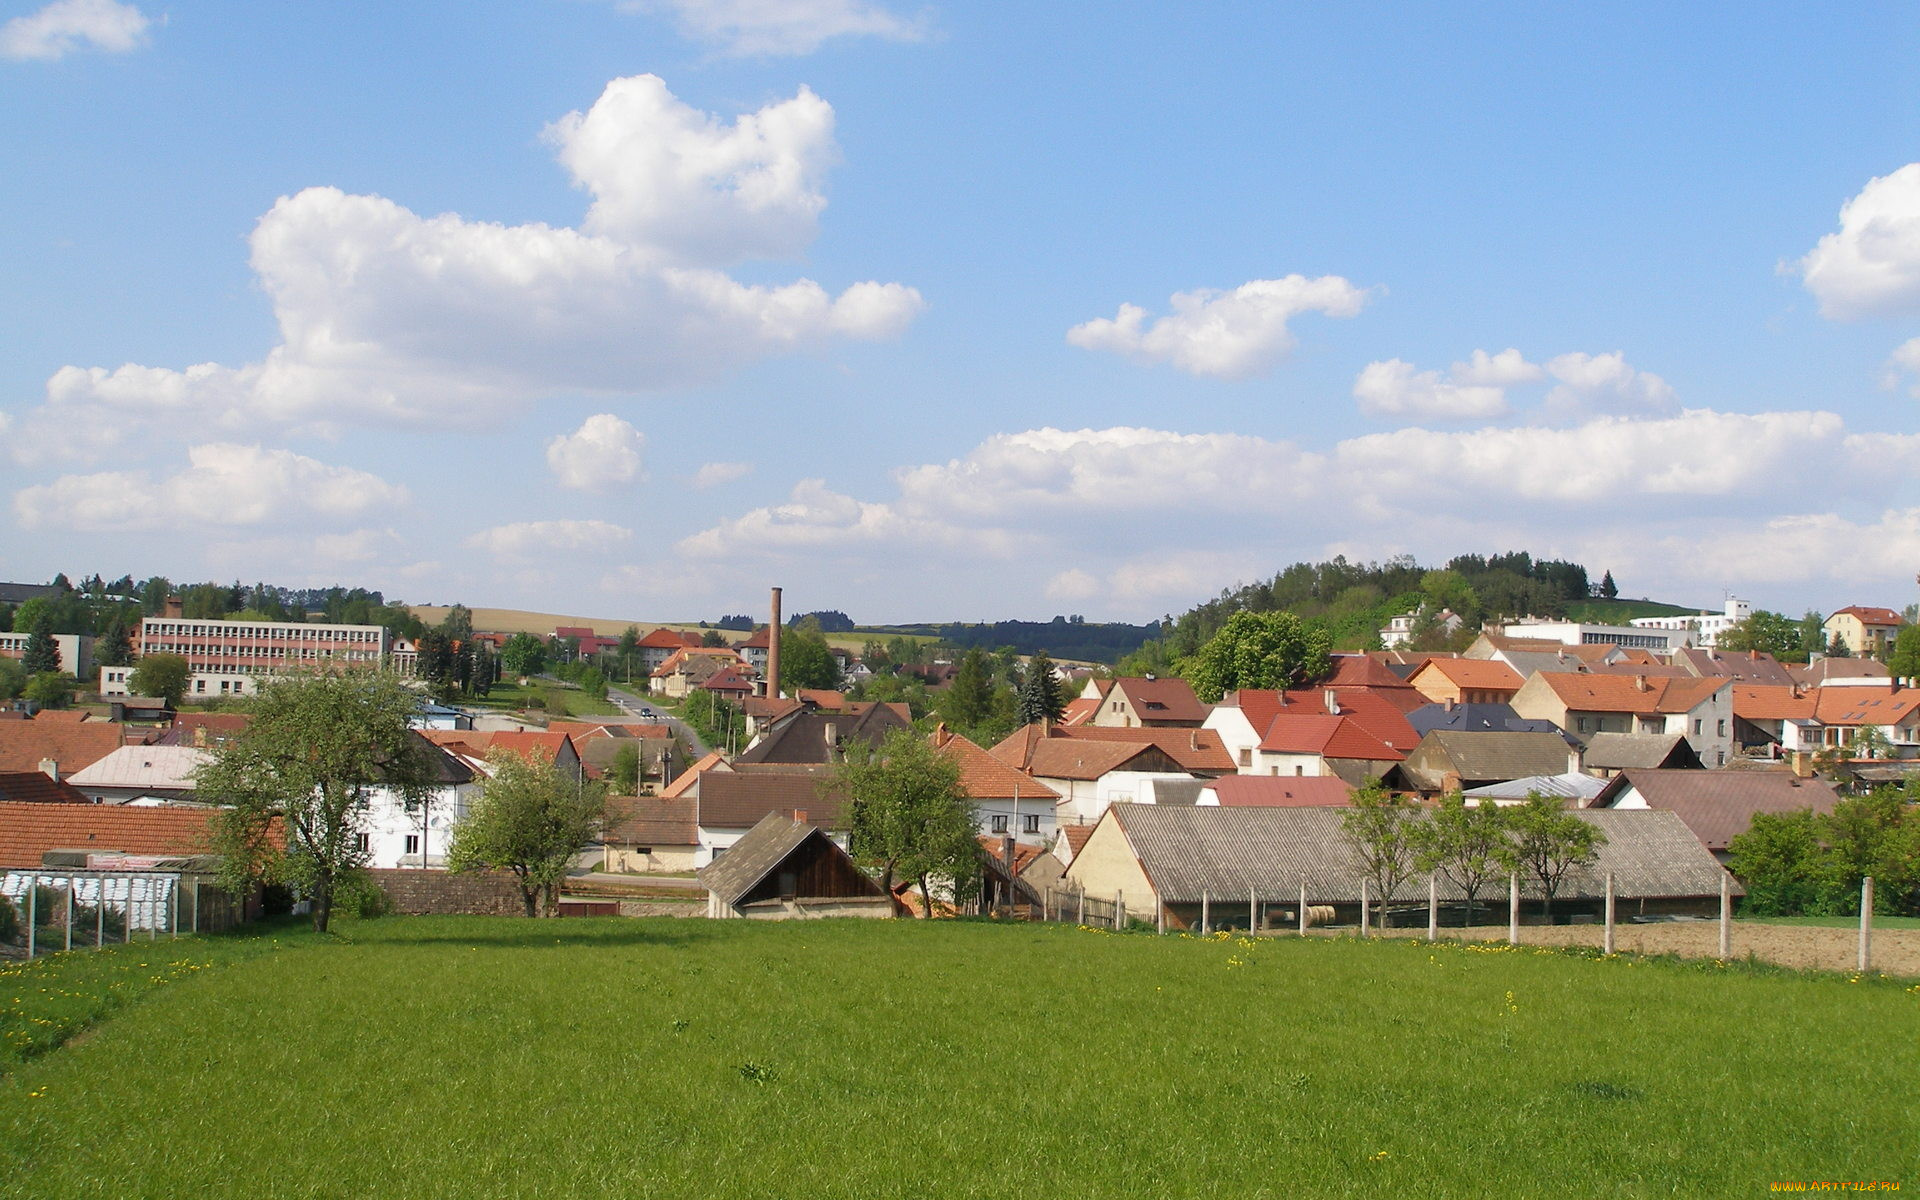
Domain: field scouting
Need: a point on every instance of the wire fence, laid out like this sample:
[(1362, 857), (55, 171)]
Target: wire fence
[(45, 911)]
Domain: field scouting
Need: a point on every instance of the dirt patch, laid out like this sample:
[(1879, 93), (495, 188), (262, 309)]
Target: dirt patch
[(1895, 951)]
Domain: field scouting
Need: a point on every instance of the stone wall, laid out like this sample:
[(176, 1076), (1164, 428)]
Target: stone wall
[(479, 894)]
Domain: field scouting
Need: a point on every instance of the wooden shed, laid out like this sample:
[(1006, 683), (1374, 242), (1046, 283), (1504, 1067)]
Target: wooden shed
[(786, 868)]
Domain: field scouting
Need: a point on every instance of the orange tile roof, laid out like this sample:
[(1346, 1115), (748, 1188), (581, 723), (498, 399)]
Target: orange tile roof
[(1482, 673), (1624, 694), (1870, 616), (684, 782), (1193, 749), (823, 698), (1865, 705), (984, 777), (1076, 837), (1079, 711), (28, 831), (1771, 702), (63, 716)]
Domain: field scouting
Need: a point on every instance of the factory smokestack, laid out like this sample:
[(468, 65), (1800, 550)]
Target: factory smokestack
[(773, 649)]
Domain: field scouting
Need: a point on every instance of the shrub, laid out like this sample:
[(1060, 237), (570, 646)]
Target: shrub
[(9, 920)]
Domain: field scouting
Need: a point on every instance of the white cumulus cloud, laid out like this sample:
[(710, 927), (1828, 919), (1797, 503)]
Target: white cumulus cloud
[(542, 539), (1903, 364), (1472, 390), (1600, 383), (605, 452), (224, 484), (1228, 335), (67, 26), (391, 317), (1872, 265), (782, 27)]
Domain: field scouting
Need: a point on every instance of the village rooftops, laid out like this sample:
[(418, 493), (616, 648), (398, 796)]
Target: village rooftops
[(1279, 791), (1717, 805), (71, 745), (1637, 694), (1328, 737), (1196, 751), (984, 777)]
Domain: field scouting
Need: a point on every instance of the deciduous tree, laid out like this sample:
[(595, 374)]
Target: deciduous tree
[(164, 675), (1258, 650), (1466, 843), (908, 816), (317, 749), (1379, 830), (530, 820), (1549, 841), (524, 654)]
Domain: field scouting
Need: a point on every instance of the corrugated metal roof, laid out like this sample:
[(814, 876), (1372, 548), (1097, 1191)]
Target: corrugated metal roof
[(1227, 852), (1487, 755), (1718, 806)]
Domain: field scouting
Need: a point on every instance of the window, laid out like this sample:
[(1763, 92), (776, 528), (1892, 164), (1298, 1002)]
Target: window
[(1246, 756), (1299, 769), (362, 842), (1031, 823), (1000, 823), (413, 843), (1696, 726), (1723, 727)]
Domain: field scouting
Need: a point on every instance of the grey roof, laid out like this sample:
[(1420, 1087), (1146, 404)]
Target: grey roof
[(1484, 718), (1178, 791), (1486, 756), (1571, 784), (1623, 751), (802, 737), (1719, 805), (755, 855), (1227, 852)]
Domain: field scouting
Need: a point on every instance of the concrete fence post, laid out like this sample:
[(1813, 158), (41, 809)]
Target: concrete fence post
[(1253, 911), (1206, 914), (1726, 915), (1433, 909), (1119, 909), (1608, 941), (1159, 915), (1513, 909), (1866, 923), (1303, 908), (1366, 903)]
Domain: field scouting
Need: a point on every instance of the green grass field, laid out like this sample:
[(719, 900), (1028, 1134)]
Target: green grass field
[(467, 1057), (561, 702), (1879, 922)]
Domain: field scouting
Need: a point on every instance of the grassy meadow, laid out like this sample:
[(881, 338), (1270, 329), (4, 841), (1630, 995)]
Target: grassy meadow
[(473, 1057)]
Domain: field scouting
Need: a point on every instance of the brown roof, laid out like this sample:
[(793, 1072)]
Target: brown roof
[(1076, 836), (1826, 670), (1074, 758), (1079, 710), (1162, 699), (1742, 666), (71, 744), (1197, 751), (32, 787), (651, 821), (1328, 737), (984, 777), (802, 737), (28, 831), (823, 698), (1719, 805), (206, 730), (735, 800)]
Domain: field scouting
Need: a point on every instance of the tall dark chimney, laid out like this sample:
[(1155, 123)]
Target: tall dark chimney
[(773, 650)]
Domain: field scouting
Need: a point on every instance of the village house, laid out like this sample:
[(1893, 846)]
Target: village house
[(1144, 703), (650, 834), (143, 775), (1701, 710), (1717, 806), (1007, 802), (1866, 632), (1466, 681), (785, 868), (688, 667), (1451, 762)]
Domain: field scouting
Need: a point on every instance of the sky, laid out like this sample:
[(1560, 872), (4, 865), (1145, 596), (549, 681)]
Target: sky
[(952, 311)]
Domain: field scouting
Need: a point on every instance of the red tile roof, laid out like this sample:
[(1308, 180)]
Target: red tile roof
[(1328, 737), (71, 744), (1080, 710), (1870, 616), (1625, 693), (32, 787), (1865, 705), (28, 831), (1771, 702), (1481, 674), (822, 698), (1196, 750), (668, 639), (1076, 837), (1379, 715)]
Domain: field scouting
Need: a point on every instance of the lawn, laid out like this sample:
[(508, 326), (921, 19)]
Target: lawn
[(560, 702), (468, 1057)]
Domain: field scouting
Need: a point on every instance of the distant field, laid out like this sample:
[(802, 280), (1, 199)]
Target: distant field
[(515, 620), (475, 1057), (1619, 612)]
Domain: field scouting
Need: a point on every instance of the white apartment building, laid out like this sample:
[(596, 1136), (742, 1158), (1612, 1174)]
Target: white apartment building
[(1706, 627)]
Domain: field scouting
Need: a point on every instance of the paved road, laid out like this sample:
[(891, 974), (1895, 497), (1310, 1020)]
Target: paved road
[(632, 705)]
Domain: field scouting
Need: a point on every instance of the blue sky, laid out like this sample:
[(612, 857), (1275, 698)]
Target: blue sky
[(956, 311)]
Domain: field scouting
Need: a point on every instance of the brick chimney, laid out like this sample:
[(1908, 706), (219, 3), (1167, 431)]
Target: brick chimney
[(773, 649), (173, 608)]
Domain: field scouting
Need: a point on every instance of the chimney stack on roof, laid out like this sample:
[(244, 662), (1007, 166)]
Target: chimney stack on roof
[(1333, 702), (50, 769), (1640, 684)]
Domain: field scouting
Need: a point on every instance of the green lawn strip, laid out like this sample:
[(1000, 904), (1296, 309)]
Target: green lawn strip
[(47, 1000), (475, 1057)]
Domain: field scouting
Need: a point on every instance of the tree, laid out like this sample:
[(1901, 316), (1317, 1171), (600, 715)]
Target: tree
[(1040, 698), (524, 654), (806, 661), (628, 651), (623, 774), (308, 764), (1608, 590), (51, 689), (1549, 841), (530, 820), (1258, 650), (1467, 843), (164, 675), (1767, 632), (1838, 648), (13, 678), (42, 653), (969, 699), (115, 649), (1904, 661), (458, 623), (908, 816), (1379, 830)]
